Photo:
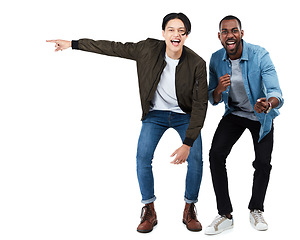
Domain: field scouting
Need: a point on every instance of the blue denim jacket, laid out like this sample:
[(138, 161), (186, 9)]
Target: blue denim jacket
[(259, 76)]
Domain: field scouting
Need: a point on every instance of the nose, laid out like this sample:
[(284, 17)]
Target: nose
[(176, 33), (230, 34)]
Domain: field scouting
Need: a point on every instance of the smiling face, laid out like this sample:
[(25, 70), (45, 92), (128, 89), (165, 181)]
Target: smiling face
[(175, 36), (231, 36)]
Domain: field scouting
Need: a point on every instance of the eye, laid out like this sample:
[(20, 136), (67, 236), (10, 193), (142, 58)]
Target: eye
[(235, 31), (224, 32)]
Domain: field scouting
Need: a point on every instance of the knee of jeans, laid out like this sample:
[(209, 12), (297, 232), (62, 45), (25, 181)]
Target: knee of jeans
[(264, 167), (195, 165), (144, 160), (217, 155), (217, 161)]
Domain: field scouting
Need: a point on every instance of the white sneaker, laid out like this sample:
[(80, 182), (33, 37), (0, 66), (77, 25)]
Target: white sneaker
[(257, 220), (219, 224)]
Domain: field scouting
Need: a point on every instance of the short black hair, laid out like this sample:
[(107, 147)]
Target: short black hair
[(182, 17), (231, 17)]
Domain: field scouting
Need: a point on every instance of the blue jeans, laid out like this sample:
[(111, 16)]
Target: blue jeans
[(153, 127)]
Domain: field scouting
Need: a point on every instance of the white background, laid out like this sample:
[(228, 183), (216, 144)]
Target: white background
[(70, 121)]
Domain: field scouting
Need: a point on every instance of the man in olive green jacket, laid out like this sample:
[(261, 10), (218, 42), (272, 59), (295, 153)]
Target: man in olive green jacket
[(173, 92)]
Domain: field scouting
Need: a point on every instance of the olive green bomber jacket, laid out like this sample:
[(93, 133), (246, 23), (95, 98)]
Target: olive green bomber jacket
[(190, 77)]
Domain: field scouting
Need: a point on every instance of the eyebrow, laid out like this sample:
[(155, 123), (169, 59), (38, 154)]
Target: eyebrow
[(231, 28), (178, 28)]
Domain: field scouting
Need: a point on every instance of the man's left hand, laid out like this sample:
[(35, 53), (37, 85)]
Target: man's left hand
[(261, 105), (181, 154)]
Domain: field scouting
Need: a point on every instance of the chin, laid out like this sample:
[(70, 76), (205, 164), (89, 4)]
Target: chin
[(231, 52)]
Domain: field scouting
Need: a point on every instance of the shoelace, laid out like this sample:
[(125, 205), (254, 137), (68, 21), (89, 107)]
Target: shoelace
[(217, 220), (146, 213), (192, 213), (257, 214)]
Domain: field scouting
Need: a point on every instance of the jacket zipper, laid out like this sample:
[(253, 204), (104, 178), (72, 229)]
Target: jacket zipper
[(155, 83)]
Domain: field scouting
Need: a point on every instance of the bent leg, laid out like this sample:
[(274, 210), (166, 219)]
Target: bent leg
[(262, 165), (194, 160), (194, 172), (228, 132), (150, 135)]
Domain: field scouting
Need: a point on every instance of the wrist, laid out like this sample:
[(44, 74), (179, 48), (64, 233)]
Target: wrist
[(186, 146), (269, 108), (218, 91)]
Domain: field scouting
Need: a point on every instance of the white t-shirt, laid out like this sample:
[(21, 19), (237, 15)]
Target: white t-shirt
[(165, 96)]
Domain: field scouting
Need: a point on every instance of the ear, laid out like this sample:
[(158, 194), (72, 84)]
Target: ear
[(163, 33), (242, 33), (219, 36)]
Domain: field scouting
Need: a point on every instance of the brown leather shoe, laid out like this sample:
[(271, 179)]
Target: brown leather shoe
[(190, 218), (148, 219)]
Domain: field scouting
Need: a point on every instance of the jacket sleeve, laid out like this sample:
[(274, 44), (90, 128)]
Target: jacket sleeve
[(270, 79), (213, 83), (127, 50), (199, 105)]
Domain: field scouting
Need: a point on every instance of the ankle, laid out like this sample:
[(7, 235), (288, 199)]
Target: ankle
[(151, 205)]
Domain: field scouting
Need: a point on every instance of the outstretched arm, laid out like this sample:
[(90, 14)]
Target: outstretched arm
[(60, 44), (127, 50)]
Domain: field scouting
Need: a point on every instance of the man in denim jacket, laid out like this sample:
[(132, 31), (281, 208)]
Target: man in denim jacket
[(242, 76)]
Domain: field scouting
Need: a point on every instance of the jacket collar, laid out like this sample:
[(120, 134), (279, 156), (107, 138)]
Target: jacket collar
[(244, 56)]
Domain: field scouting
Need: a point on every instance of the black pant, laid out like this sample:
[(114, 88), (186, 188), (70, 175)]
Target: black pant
[(230, 129)]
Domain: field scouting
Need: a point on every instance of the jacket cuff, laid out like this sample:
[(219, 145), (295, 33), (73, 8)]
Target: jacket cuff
[(188, 141), (75, 44), (211, 98), (278, 96)]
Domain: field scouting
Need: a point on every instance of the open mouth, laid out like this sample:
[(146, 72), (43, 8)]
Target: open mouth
[(175, 42), (231, 44)]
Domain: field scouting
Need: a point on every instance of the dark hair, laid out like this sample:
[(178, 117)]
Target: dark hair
[(230, 17), (182, 17)]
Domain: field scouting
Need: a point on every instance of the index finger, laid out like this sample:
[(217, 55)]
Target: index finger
[(261, 100), (52, 41), (226, 76)]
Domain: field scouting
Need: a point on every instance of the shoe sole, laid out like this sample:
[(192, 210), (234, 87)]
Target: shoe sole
[(190, 229), (147, 231), (219, 231)]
